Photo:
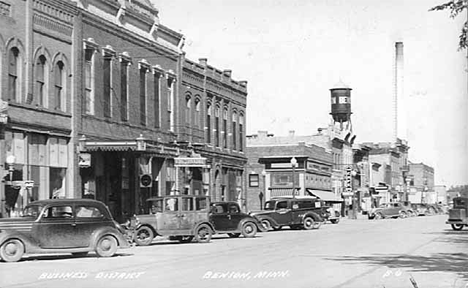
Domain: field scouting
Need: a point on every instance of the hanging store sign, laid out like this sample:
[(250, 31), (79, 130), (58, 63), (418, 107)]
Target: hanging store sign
[(190, 162), (84, 160)]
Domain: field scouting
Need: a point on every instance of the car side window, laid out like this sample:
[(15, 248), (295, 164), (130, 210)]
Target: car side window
[(233, 209), (187, 204), (201, 204), (171, 204), (61, 212), (156, 206), (88, 212), (281, 205), (218, 209)]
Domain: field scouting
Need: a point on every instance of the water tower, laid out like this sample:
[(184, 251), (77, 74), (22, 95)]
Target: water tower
[(341, 104)]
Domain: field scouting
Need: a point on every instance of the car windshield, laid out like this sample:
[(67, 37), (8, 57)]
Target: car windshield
[(32, 211), (270, 205)]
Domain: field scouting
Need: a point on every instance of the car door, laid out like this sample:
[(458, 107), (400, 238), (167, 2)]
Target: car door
[(187, 215), (219, 216), (89, 218), (282, 215), (235, 216), (168, 221), (56, 227)]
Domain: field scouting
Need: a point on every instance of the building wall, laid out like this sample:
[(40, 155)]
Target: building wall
[(39, 128)]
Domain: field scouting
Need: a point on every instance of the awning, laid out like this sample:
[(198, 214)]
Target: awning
[(324, 195), (278, 192)]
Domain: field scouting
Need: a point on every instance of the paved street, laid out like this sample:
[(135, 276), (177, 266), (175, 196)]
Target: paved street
[(354, 253)]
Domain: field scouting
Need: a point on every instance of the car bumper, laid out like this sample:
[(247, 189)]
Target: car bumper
[(456, 221)]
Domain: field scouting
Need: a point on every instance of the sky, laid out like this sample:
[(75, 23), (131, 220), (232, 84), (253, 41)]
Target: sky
[(292, 52)]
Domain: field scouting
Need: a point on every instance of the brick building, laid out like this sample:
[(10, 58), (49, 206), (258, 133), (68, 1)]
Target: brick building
[(97, 104), (36, 87), (270, 172)]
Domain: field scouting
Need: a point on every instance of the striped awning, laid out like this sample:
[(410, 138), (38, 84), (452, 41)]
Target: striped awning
[(278, 192), (324, 195)]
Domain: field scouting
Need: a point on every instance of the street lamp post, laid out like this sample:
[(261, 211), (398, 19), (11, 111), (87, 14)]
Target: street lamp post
[(10, 160), (293, 165)]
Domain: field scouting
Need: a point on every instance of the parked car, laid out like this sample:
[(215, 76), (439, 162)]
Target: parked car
[(76, 226), (388, 210), (227, 217), (181, 217), (297, 213), (423, 209), (458, 215), (332, 214)]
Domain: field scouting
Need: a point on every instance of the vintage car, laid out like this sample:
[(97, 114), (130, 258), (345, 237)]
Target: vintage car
[(295, 212), (180, 217), (227, 217), (76, 226), (458, 215), (389, 210), (423, 209)]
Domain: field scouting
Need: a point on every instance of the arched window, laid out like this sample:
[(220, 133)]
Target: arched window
[(197, 113), (13, 75), (217, 130), (225, 119), (208, 123), (241, 132), (40, 91), (188, 107), (60, 95), (234, 130)]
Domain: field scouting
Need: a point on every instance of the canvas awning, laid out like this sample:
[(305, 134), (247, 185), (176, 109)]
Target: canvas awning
[(324, 195)]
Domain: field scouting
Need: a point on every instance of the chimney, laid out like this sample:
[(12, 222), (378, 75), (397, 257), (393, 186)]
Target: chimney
[(203, 61), (262, 134), (398, 98), (243, 83), (291, 133)]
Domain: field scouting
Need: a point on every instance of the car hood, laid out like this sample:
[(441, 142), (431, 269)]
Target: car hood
[(259, 212), (16, 223)]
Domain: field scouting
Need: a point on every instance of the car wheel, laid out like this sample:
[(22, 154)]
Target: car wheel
[(185, 239), (457, 227), (402, 215), (317, 224), (266, 224), (106, 246), (12, 250), (379, 216), (80, 254), (308, 223), (144, 236), (234, 235), (249, 230), (335, 221), (203, 234)]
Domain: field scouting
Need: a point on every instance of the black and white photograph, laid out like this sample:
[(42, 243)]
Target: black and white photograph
[(234, 143)]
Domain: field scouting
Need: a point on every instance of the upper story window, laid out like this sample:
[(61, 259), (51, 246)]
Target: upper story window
[(234, 130), (125, 62), (60, 80), (158, 73), (241, 132), (40, 75), (197, 113), (108, 55), (216, 129), (89, 81), (188, 107), (225, 120), (14, 72), (208, 123), (144, 68), (170, 99)]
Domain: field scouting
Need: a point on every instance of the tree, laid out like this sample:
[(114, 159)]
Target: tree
[(456, 7)]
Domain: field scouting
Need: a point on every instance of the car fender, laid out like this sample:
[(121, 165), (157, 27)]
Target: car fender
[(314, 216), (147, 225), (195, 227), (266, 217), (121, 241), (253, 220), (29, 245)]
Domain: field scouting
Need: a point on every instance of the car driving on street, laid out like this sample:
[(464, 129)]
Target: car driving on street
[(458, 215), (76, 226), (389, 210)]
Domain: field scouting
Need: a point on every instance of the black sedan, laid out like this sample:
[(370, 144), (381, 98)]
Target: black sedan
[(227, 217)]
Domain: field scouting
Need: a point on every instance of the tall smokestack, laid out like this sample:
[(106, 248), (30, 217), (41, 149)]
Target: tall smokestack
[(398, 99)]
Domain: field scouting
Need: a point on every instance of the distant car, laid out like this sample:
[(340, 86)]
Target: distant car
[(76, 226), (388, 210), (458, 215), (297, 213), (227, 217), (180, 217), (423, 209)]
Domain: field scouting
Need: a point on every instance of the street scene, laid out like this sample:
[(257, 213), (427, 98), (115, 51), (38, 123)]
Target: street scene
[(253, 143), (354, 253)]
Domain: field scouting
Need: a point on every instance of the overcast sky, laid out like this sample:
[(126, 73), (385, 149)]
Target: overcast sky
[(292, 52)]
